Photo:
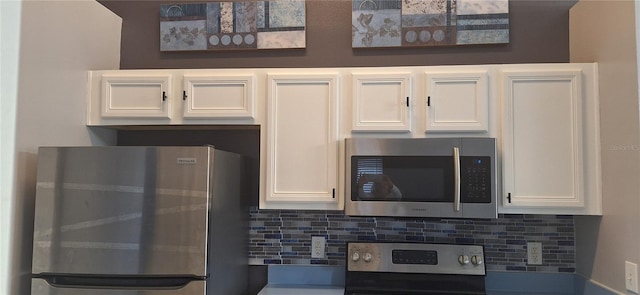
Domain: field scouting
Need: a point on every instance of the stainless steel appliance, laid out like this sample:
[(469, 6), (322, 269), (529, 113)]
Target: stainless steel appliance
[(421, 177), (139, 220), (414, 269)]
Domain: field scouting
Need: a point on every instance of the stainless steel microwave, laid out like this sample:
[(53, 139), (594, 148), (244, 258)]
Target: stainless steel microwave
[(421, 177)]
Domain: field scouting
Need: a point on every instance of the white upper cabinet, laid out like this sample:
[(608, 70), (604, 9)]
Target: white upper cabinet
[(301, 144), (381, 102), (545, 118), (218, 96), (457, 101), (548, 123), (135, 96), (171, 97)]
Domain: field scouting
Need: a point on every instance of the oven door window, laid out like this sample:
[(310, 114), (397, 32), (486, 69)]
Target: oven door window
[(402, 178)]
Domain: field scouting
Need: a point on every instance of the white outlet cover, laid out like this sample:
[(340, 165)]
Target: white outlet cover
[(534, 253), (631, 276), (317, 247)]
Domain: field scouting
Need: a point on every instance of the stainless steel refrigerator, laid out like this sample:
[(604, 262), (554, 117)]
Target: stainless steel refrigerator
[(139, 220)]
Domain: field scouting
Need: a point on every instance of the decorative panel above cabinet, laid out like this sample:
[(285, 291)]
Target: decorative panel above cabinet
[(171, 97), (550, 140), (457, 101)]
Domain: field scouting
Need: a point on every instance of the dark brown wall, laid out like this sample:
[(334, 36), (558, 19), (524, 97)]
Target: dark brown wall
[(243, 140), (539, 33)]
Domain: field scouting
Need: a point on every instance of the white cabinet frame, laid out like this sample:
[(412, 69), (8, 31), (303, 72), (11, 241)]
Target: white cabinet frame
[(542, 139), (457, 101), (136, 96), (302, 142), (218, 96), (381, 102)]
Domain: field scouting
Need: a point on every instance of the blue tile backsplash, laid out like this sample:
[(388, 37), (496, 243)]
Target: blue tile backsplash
[(284, 237)]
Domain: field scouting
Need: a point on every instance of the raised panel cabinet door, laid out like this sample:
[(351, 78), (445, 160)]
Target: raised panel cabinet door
[(542, 139), (302, 142), (381, 102), (457, 102), (207, 96), (128, 95)]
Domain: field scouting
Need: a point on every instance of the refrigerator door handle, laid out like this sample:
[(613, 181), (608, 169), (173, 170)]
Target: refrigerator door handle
[(138, 282), (41, 287)]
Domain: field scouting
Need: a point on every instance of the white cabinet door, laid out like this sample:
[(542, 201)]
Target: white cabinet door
[(457, 102), (218, 96), (301, 142), (542, 138), (381, 102), (130, 95), (172, 97)]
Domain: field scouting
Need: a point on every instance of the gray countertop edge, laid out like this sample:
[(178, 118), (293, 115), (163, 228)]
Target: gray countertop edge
[(497, 282)]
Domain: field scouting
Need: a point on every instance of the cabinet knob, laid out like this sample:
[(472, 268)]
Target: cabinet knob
[(428, 101)]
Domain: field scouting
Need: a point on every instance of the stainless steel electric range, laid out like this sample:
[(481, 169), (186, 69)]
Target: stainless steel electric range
[(414, 269)]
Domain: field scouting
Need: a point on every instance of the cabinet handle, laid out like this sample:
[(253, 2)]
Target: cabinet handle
[(164, 96), (428, 101), (334, 193), (509, 197), (407, 101), (184, 95)]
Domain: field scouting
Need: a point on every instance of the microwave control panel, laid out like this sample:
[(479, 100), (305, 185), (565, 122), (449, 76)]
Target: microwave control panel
[(475, 185)]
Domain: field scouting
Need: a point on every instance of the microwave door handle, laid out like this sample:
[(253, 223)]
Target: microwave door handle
[(456, 172)]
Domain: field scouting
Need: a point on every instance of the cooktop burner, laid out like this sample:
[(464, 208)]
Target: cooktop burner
[(414, 269)]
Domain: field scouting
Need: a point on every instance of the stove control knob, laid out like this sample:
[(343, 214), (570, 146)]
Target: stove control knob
[(476, 260), (463, 259), (368, 257), (355, 256)]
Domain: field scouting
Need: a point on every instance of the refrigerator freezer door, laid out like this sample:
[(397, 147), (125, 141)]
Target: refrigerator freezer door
[(122, 211), (41, 287)]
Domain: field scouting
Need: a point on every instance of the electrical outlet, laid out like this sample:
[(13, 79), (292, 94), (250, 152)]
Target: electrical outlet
[(317, 247), (631, 276), (534, 253)]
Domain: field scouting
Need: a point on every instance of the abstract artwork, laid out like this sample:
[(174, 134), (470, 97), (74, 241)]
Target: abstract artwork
[(276, 24), (410, 23)]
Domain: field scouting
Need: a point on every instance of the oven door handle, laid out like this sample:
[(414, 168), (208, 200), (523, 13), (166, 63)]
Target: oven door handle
[(456, 184)]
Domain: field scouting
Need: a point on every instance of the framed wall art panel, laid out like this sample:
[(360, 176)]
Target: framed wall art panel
[(276, 24), (410, 23)]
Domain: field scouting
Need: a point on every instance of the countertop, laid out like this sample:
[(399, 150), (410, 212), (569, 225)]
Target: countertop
[(275, 289), (329, 280)]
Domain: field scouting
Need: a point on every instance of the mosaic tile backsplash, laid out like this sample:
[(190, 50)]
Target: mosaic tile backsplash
[(284, 237)]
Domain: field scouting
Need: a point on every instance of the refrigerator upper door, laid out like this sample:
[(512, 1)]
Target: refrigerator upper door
[(122, 211), (41, 287)]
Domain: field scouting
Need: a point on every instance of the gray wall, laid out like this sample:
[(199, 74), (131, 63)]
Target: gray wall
[(538, 32), (607, 242), (56, 48)]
